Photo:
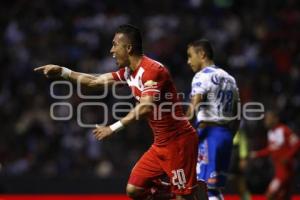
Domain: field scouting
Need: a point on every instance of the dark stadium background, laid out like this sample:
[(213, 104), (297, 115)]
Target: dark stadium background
[(256, 41)]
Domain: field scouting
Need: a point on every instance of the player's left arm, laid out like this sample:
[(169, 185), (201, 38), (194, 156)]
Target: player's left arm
[(199, 88), (193, 106), (260, 153), (153, 82), (141, 110)]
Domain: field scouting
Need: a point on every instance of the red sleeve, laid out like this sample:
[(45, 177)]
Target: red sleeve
[(153, 81), (119, 75), (287, 133), (263, 152), (293, 142), (293, 150)]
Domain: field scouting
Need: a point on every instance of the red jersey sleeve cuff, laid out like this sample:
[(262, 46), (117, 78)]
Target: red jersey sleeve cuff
[(116, 76), (150, 92)]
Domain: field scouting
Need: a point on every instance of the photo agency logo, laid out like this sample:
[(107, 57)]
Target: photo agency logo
[(225, 108)]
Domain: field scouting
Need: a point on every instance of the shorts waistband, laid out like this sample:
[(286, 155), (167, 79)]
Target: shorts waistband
[(208, 124)]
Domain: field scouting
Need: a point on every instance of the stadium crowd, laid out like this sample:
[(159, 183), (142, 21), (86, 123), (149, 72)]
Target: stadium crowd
[(257, 41)]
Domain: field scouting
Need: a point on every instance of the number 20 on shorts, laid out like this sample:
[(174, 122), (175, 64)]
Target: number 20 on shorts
[(178, 178)]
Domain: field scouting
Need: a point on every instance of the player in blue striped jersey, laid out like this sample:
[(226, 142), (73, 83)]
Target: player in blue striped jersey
[(214, 100)]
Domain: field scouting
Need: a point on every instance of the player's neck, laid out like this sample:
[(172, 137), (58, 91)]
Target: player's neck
[(207, 63), (135, 61)]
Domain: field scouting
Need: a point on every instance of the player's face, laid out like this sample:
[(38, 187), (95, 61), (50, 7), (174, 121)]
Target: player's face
[(193, 59), (120, 50), (270, 120)]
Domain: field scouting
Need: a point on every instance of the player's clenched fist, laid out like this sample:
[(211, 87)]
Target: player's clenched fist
[(50, 71), (101, 132)]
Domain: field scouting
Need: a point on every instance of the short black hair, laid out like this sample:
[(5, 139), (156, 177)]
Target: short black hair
[(134, 35), (205, 45)]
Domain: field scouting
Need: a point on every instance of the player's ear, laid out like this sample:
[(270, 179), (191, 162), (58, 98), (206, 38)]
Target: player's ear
[(129, 49), (201, 53)]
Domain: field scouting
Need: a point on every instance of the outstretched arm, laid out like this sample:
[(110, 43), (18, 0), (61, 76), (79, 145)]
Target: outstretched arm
[(142, 109), (93, 81), (260, 153)]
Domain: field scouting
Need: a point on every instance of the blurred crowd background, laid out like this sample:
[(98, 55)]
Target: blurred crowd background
[(256, 41)]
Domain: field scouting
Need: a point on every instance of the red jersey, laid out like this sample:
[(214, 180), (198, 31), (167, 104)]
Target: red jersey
[(152, 78), (282, 146)]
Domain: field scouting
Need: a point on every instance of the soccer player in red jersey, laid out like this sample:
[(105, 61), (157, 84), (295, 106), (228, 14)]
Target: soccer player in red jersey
[(174, 151), (283, 144)]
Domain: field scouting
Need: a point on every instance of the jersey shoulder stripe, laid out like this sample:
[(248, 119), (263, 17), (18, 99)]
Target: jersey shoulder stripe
[(208, 70)]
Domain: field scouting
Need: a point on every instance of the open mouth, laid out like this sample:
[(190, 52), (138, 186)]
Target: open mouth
[(116, 60), (114, 57)]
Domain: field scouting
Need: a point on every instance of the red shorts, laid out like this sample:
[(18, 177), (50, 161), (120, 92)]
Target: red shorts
[(177, 160)]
